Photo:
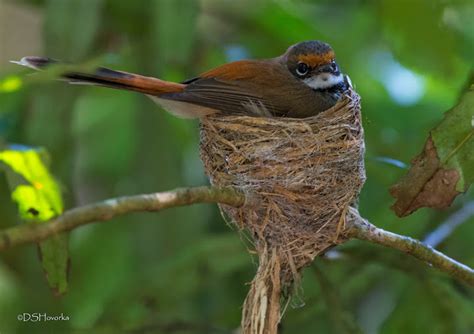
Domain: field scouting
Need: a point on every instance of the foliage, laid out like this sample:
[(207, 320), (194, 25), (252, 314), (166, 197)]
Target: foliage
[(454, 140), (36, 192), (38, 198), (184, 268), (445, 168)]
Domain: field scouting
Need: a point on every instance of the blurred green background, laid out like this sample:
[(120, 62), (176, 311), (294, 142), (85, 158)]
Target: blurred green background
[(183, 270)]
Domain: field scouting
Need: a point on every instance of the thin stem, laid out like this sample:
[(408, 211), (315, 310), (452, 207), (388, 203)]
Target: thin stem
[(360, 228)]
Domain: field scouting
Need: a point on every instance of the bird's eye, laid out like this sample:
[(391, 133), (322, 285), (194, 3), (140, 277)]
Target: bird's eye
[(333, 66), (302, 69)]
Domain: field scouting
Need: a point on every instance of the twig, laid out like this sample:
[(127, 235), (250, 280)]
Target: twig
[(445, 229), (108, 209), (357, 227), (360, 228)]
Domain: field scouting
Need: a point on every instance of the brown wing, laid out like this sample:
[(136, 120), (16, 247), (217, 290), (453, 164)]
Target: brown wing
[(241, 87), (236, 88)]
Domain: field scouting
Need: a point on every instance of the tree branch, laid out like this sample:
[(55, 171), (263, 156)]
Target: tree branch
[(360, 228), (357, 227), (108, 209)]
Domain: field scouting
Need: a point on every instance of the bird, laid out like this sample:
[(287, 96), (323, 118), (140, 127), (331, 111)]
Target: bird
[(302, 82)]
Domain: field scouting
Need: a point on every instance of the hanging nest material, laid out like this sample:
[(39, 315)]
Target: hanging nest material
[(301, 176)]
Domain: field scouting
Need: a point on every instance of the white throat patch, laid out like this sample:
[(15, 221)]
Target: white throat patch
[(324, 80)]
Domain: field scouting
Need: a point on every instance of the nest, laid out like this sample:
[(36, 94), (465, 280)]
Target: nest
[(301, 176)]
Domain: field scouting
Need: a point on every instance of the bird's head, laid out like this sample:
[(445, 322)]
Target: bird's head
[(313, 62)]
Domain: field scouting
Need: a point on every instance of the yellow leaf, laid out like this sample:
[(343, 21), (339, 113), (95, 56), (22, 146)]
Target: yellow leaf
[(40, 199), (10, 84)]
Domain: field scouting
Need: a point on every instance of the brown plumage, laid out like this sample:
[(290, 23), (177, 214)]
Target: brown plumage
[(270, 87)]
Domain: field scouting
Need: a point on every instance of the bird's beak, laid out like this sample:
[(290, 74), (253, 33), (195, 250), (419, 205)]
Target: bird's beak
[(327, 68)]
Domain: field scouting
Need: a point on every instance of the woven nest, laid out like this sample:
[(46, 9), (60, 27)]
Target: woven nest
[(301, 176)]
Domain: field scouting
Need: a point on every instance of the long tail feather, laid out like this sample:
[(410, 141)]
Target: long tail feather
[(109, 78)]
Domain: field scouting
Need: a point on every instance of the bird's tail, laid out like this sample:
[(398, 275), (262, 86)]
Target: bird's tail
[(108, 78)]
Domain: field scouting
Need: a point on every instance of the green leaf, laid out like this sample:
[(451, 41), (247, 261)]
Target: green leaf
[(37, 195), (39, 199), (445, 168), (454, 140), (10, 84), (54, 256)]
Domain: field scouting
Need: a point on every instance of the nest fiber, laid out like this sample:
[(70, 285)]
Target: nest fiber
[(300, 176)]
